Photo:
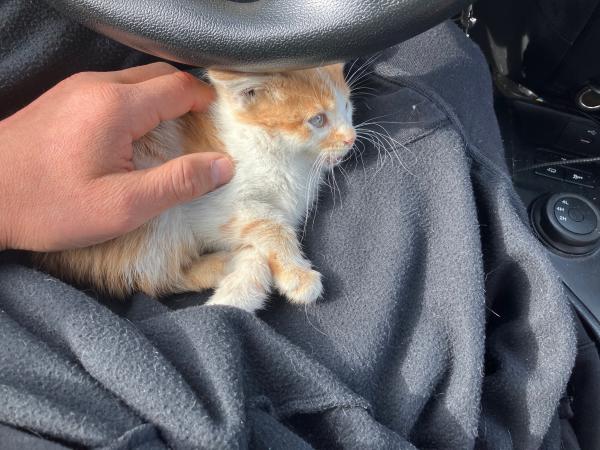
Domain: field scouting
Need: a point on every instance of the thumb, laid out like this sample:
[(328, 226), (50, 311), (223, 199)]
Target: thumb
[(176, 181)]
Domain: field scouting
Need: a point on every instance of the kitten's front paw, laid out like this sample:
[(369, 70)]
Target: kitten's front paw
[(250, 303), (299, 284)]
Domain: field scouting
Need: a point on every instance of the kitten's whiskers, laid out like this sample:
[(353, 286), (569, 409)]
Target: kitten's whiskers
[(312, 189), (360, 72)]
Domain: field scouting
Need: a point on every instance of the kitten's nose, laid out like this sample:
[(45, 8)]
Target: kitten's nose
[(349, 139)]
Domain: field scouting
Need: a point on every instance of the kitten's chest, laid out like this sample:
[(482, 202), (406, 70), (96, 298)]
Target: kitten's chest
[(288, 187)]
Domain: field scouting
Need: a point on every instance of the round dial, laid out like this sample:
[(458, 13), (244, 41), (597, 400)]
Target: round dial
[(567, 222)]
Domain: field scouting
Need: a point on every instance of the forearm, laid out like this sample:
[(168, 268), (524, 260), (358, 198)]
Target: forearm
[(5, 188)]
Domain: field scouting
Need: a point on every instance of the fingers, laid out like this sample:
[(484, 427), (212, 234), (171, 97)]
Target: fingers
[(137, 74), (144, 96), (143, 73), (165, 97), (151, 191)]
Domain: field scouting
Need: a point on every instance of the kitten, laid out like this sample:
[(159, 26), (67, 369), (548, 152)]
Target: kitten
[(283, 131)]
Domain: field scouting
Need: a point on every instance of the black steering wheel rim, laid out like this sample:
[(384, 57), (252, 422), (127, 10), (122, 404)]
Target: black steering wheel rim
[(259, 35)]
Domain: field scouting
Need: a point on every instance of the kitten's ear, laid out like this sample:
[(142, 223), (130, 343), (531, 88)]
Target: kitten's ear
[(336, 71), (337, 67), (243, 87)]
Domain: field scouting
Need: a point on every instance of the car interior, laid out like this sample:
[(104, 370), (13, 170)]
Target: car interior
[(544, 59), (547, 99)]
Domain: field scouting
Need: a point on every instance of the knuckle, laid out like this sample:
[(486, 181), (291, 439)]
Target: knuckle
[(108, 92), (87, 94), (109, 98), (185, 79)]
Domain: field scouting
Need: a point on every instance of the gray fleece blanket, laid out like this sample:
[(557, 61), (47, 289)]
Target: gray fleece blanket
[(443, 325)]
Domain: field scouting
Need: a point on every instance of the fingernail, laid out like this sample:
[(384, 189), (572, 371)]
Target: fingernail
[(221, 171)]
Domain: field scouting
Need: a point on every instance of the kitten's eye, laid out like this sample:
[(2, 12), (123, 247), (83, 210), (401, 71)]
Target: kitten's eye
[(318, 121)]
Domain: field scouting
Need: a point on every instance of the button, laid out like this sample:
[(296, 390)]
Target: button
[(575, 216), (555, 219), (542, 157), (580, 136), (551, 172), (578, 177)]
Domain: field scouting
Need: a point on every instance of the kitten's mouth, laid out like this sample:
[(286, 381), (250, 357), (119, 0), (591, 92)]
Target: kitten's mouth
[(334, 159)]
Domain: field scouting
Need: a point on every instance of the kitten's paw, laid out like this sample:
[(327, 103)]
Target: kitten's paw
[(300, 285), (247, 303)]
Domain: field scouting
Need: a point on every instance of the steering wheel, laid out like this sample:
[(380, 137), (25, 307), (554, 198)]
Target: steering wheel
[(259, 35)]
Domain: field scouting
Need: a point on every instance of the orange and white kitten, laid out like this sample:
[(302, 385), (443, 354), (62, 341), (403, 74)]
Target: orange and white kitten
[(283, 131)]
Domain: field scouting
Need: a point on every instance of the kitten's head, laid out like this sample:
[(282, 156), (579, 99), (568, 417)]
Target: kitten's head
[(307, 110)]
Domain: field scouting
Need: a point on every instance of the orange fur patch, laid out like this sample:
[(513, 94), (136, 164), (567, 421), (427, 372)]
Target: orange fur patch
[(263, 227), (205, 272), (100, 264), (272, 233), (294, 278), (287, 100), (107, 266), (275, 265), (200, 134), (336, 74)]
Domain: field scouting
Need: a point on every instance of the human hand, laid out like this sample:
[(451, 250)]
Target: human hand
[(67, 178)]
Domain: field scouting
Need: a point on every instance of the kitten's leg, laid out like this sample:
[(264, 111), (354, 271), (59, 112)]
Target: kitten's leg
[(291, 271), (206, 272), (247, 284), (295, 278)]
